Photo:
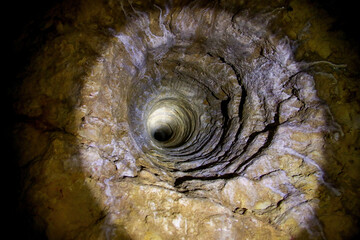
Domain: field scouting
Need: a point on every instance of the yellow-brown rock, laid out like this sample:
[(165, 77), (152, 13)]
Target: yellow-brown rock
[(188, 120)]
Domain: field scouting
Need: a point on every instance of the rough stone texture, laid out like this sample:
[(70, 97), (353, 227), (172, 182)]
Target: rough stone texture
[(278, 132)]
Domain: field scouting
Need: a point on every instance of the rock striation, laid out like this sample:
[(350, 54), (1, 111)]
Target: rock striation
[(189, 120)]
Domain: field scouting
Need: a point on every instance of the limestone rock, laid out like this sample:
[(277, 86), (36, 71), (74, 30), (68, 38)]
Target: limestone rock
[(189, 120)]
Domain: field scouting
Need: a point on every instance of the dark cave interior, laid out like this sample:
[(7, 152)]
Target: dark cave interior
[(25, 35)]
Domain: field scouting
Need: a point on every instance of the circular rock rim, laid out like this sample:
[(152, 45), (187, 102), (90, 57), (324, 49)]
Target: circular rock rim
[(170, 122)]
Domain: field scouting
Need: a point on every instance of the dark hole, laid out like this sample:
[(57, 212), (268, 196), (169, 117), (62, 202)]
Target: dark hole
[(224, 108), (162, 134)]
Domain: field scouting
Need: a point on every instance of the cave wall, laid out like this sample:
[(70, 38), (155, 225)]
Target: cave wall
[(261, 97)]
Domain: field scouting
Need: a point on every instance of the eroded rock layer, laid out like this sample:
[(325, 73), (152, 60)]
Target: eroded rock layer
[(198, 120)]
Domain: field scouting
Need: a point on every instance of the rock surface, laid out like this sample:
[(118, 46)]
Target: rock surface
[(270, 150)]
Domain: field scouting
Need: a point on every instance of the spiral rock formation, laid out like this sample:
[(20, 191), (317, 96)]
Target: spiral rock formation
[(187, 120)]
